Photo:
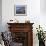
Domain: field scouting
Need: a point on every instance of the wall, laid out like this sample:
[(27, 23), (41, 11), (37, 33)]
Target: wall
[(0, 15), (43, 14), (33, 10), (34, 14)]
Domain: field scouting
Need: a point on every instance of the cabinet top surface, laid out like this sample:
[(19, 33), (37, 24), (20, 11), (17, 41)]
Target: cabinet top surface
[(19, 23)]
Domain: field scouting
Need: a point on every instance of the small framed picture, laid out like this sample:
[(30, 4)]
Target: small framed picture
[(20, 10)]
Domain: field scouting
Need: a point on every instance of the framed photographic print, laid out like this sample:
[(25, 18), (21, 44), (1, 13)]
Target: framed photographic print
[(20, 10)]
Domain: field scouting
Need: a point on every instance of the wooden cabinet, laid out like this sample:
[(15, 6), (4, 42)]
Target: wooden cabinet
[(22, 33)]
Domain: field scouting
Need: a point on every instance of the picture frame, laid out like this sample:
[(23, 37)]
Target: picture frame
[(20, 10)]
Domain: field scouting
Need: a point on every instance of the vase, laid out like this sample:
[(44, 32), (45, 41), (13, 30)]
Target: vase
[(41, 43)]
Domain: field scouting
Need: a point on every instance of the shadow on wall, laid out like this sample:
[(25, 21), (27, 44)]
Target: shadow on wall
[(0, 15)]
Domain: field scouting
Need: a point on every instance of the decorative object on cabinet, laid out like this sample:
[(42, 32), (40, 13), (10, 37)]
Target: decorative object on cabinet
[(22, 33), (13, 21), (27, 21), (20, 10)]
